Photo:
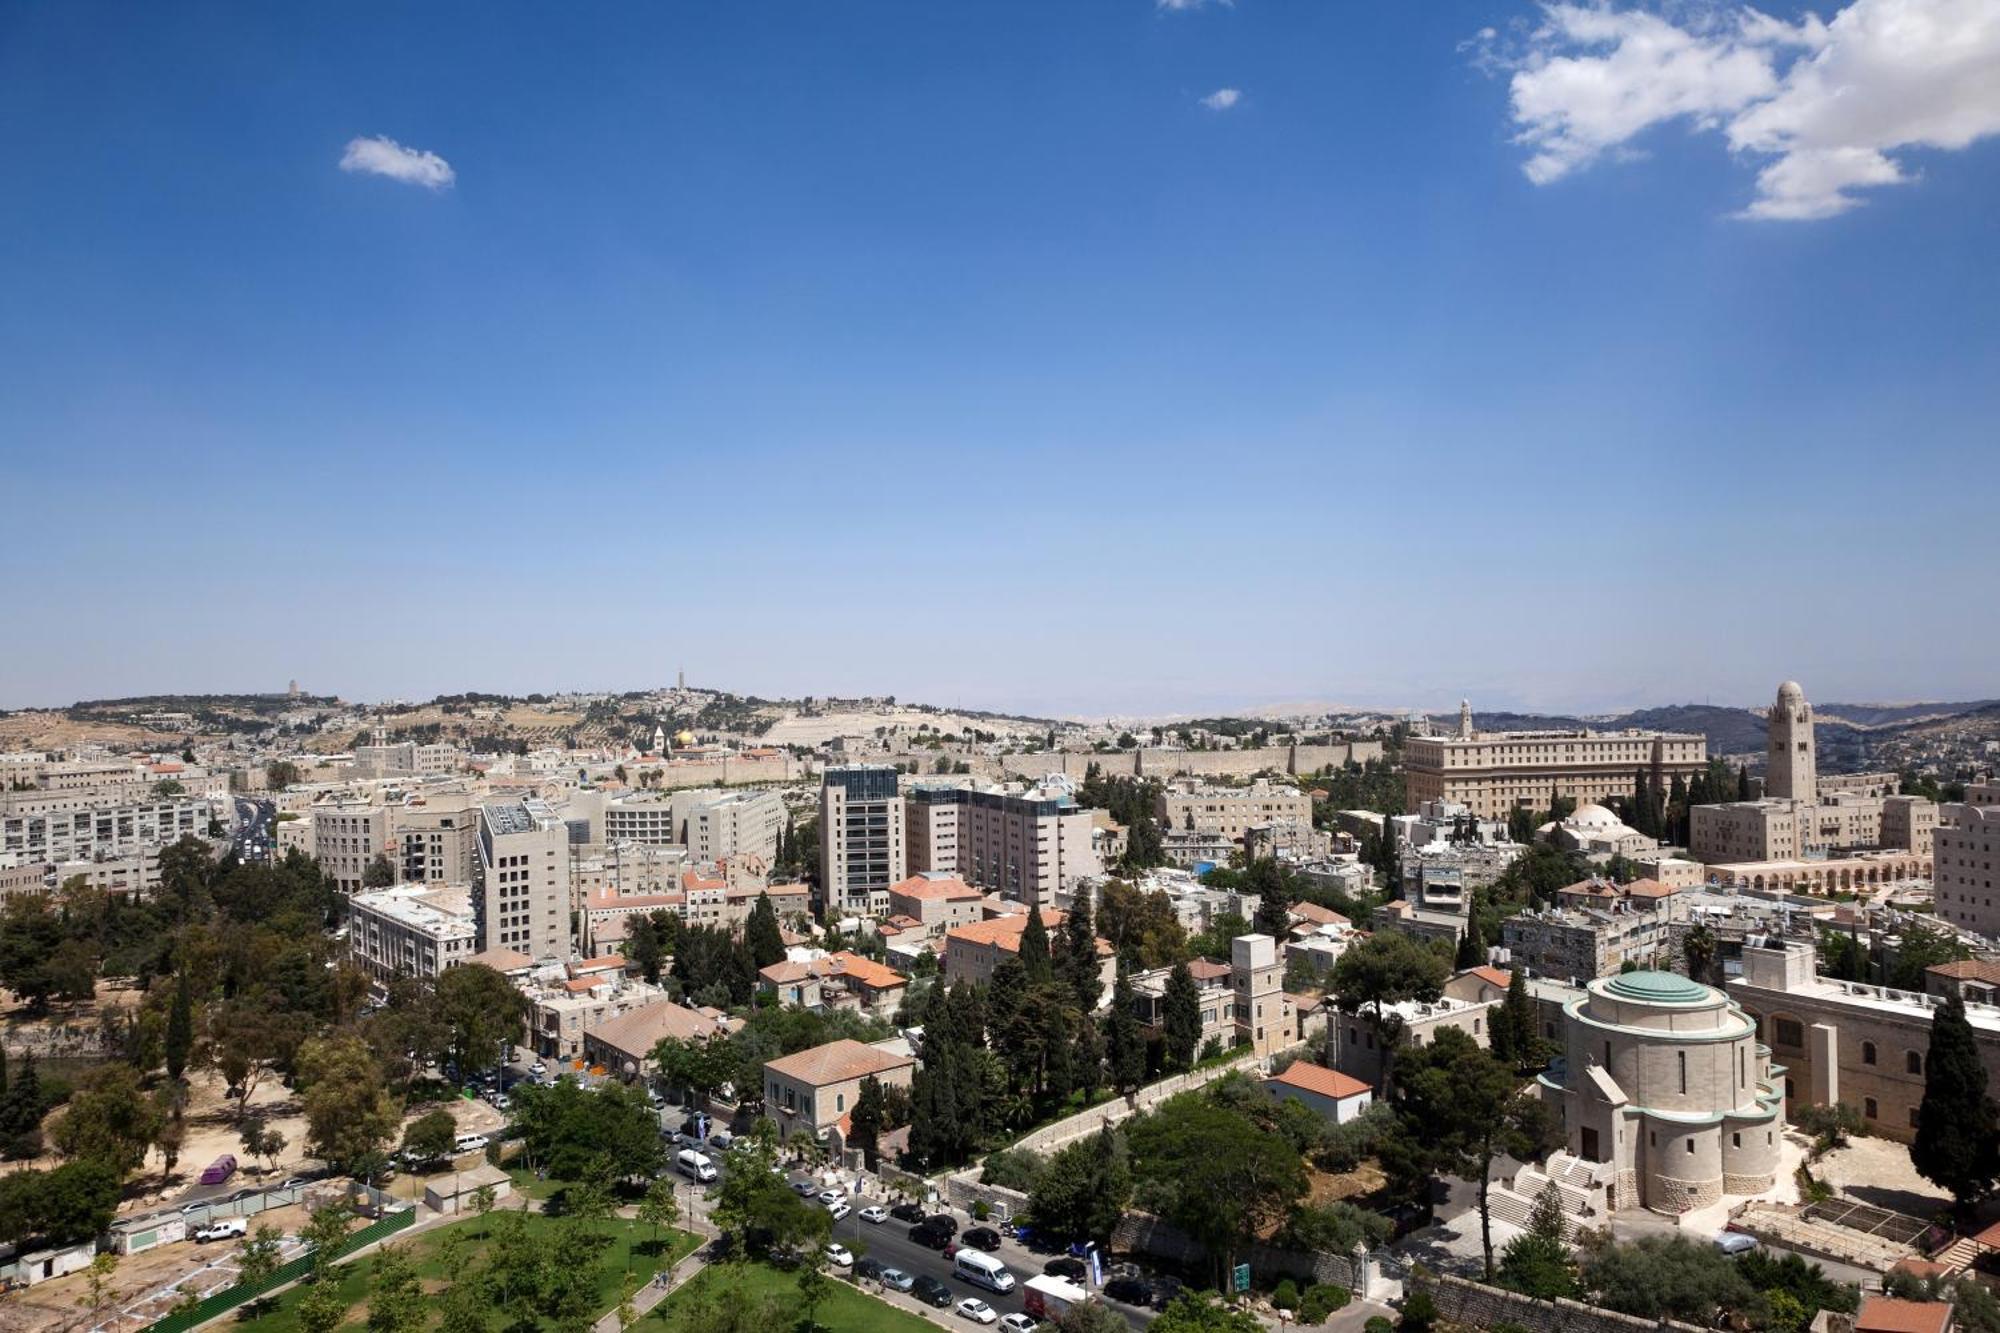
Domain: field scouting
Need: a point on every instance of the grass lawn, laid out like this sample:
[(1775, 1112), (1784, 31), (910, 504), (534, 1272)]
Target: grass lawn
[(630, 1245), (845, 1309), (526, 1184)]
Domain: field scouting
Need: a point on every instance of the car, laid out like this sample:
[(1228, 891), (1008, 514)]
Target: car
[(1019, 1323), (931, 1291), (804, 1187), (875, 1213), (1130, 1290), (229, 1228), (189, 1209), (500, 1101), (1073, 1270), (868, 1268), (839, 1255), (981, 1238), (895, 1279), (1735, 1242), (942, 1222), (929, 1237), (538, 1068), (836, 1211), (721, 1139), (978, 1311), (907, 1212), (297, 1182), (830, 1197)]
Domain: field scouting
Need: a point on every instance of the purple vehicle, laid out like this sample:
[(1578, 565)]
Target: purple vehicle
[(219, 1170)]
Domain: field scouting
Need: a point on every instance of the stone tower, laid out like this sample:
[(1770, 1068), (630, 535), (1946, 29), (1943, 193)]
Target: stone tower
[(1465, 719), (1791, 772)]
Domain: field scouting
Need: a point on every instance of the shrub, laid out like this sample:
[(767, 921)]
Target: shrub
[(1320, 1300), (1285, 1295), (980, 1210), (1377, 1324), (1012, 1168), (1419, 1313)]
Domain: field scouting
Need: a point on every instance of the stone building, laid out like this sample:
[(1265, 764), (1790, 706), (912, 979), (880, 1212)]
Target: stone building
[(1664, 1078), (1494, 773), (1964, 855)]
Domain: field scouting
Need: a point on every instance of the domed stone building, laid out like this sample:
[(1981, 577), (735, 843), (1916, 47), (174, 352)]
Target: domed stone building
[(1663, 1080)]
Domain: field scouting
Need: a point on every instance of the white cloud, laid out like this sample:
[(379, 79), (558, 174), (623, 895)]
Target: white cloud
[(1824, 105), (378, 155), (1222, 99), (1188, 6)]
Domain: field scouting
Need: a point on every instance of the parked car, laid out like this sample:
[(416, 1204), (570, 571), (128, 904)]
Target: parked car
[(829, 1197), (1073, 1270), (929, 1237), (978, 1311), (229, 1228), (839, 1255), (1131, 1290), (931, 1291), (538, 1068), (804, 1187), (1735, 1242), (1165, 1288), (895, 1279), (868, 1268), (836, 1211), (875, 1212), (981, 1238), (1019, 1323), (907, 1212), (942, 1222)]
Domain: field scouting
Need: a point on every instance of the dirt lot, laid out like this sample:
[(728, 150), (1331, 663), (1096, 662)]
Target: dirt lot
[(57, 731)]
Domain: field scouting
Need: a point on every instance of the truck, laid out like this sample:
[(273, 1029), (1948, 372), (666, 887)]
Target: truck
[(1049, 1297)]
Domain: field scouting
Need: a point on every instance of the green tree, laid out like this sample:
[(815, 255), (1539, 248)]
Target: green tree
[(430, 1137), (1466, 1108), (1537, 1262), (109, 1119), (867, 1118), (379, 874), (324, 1233), (1198, 1312), (180, 1029), (1034, 951), (396, 1302), (1081, 1192), (1666, 1277), (1516, 1043), (481, 1009), (1957, 1144), (1124, 1039), (260, 1140), (257, 1258), (349, 1113), (761, 934), (1698, 949), (1092, 1316), (282, 773), (1180, 1019), (98, 1290), (321, 1307), (1921, 946), (1213, 1172), (658, 1209), (1386, 968), (1078, 964), (814, 1286)]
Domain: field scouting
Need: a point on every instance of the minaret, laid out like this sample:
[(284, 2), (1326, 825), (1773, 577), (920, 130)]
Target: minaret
[(1790, 771), (1465, 719)]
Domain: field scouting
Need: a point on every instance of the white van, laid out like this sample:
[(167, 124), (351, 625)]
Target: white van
[(469, 1143), (983, 1269), (694, 1166)]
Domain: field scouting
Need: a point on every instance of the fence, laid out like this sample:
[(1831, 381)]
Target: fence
[(1084, 1123), (222, 1302)]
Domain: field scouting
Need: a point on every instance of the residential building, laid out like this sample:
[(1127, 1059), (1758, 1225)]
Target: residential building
[(843, 980), (1193, 849), (1580, 944), (581, 998), (936, 901), (1965, 853), (1665, 1079), (411, 930), (812, 1091), (436, 840), (1356, 1051), (1232, 811), (1027, 845), (97, 832), (524, 899), (1973, 980), (1337, 1097), (623, 1044), (1217, 996), (1264, 1018), (863, 852), (347, 837), (1886, 1314), (724, 825), (972, 952), (1496, 773), (1846, 1041)]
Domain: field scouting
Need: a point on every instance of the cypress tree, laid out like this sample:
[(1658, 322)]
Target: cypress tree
[(1125, 1042), (1035, 949), (761, 934), (1743, 783), (1079, 955), (1517, 1020), (1957, 1146), (1181, 1022), (1468, 948), (180, 1029)]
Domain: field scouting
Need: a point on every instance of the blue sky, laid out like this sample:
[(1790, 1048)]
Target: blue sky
[(963, 352)]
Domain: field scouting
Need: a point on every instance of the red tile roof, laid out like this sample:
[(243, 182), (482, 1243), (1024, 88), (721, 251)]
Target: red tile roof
[(836, 1062), (925, 889), (1003, 931), (1493, 976), (1885, 1314), (1970, 969), (1308, 1077)]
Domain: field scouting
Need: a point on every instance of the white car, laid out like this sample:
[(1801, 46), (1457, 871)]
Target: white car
[(538, 1068), (839, 1256), (1735, 1242), (1019, 1323), (875, 1212), (836, 1211), (803, 1186), (978, 1311), (832, 1196), (228, 1229)]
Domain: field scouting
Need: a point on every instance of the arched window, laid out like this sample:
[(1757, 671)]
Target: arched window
[(1868, 1107), (1867, 1052), (1913, 1061)]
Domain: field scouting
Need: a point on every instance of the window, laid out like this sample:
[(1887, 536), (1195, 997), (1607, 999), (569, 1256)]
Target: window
[(1690, 1144), (1788, 1032), (1913, 1061), (1913, 1117), (1868, 1107), (840, 1101), (1867, 1052), (1682, 1058), (1736, 1140)]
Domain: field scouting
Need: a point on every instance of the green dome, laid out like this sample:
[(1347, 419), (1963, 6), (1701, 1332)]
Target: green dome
[(1656, 988)]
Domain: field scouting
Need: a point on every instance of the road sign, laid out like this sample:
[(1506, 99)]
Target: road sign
[(1240, 1279)]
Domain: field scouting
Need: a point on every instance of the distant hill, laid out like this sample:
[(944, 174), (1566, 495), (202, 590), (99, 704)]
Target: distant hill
[(1880, 715)]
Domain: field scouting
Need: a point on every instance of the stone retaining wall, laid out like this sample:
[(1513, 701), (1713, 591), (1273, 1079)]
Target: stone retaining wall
[(1142, 1233), (1464, 1302)]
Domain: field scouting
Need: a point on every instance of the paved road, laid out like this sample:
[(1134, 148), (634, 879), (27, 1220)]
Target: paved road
[(255, 821)]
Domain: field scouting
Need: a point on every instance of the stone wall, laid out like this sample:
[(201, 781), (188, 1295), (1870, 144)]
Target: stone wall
[(1142, 1233), (963, 1191), (1146, 761), (1051, 1137), (1479, 1306)]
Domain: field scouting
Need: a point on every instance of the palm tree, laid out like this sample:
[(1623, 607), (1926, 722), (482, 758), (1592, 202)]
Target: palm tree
[(1699, 950)]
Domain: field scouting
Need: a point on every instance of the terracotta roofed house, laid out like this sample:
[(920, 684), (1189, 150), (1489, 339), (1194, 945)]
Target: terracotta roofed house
[(1338, 1097), (972, 952), (811, 1090), (624, 1044), (937, 901), (1885, 1314)]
